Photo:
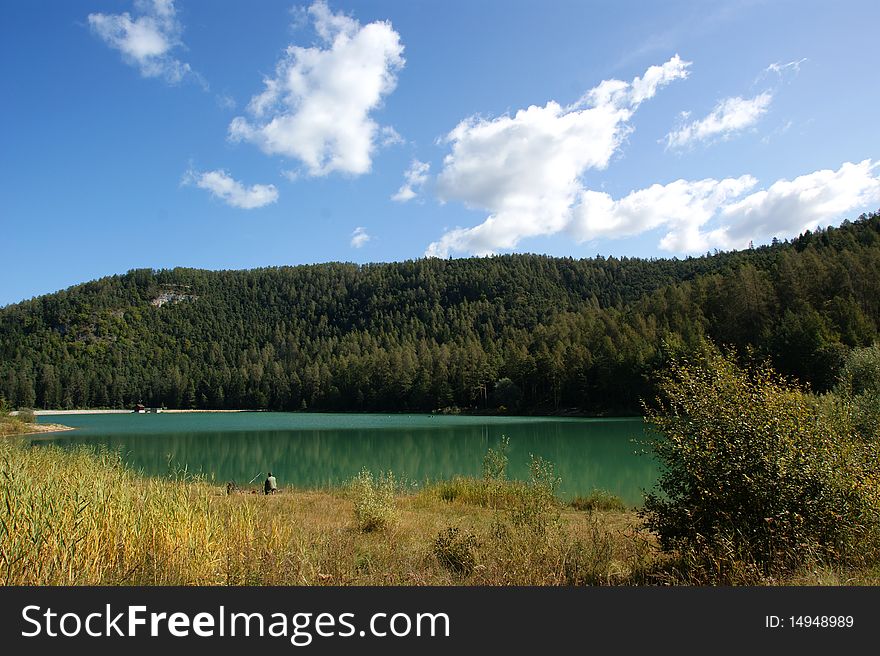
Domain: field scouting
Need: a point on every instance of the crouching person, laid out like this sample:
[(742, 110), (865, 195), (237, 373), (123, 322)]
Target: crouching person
[(271, 485)]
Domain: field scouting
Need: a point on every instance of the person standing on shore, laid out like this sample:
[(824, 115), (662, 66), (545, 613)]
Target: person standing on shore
[(271, 485)]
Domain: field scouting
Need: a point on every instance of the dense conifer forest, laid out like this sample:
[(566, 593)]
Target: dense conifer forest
[(524, 333)]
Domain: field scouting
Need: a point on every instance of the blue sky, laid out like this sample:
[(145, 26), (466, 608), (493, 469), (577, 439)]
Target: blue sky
[(220, 134)]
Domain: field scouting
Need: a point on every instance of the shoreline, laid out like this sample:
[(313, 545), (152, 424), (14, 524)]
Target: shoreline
[(563, 414), (53, 413), (40, 429)]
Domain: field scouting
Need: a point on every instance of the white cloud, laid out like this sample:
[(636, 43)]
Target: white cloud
[(788, 207), (792, 67), (388, 136), (225, 101), (317, 107), (231, 191), (682, 206), (729, 116), (525, 169), (147, 40), (645, 87), (415, 176), (696, 215), (732, 115), (686, 208), (359, 237)]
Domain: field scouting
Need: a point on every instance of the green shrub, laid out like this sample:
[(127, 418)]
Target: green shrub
[(493, 490), (373, 500), (754, 472), (464, 490), (479, 492), (448, 491), (27, 415), (860, 373), (495, 461), (859, 382), (456, 550), (535, 504), (598, 500)]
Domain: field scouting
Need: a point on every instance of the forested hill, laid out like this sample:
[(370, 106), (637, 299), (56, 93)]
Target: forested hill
[(531, 333)]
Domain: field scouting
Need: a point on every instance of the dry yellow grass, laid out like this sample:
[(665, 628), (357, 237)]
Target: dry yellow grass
[(24, 423), (12, 426), (82, 518)]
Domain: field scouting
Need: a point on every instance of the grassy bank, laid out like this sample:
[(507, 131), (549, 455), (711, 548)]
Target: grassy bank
[(13, 426), (82, 518), (24, 423)]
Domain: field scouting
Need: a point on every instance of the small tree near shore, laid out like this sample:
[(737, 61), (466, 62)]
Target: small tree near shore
[(755, 470), (373, 498)]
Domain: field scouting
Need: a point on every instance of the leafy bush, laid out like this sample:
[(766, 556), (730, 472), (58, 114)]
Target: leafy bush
[(495, 461), (27, 415), (860, 373), (753, 471), (859, 382), (373, 500), (456, 551)]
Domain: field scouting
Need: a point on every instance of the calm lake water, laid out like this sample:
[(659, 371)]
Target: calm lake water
[(317, 450)]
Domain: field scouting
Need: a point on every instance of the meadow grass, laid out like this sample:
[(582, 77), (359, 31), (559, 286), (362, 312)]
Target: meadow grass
[(82, 518)]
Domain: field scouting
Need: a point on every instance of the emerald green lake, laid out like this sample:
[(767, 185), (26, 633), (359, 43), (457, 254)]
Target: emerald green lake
[(319, 450)]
